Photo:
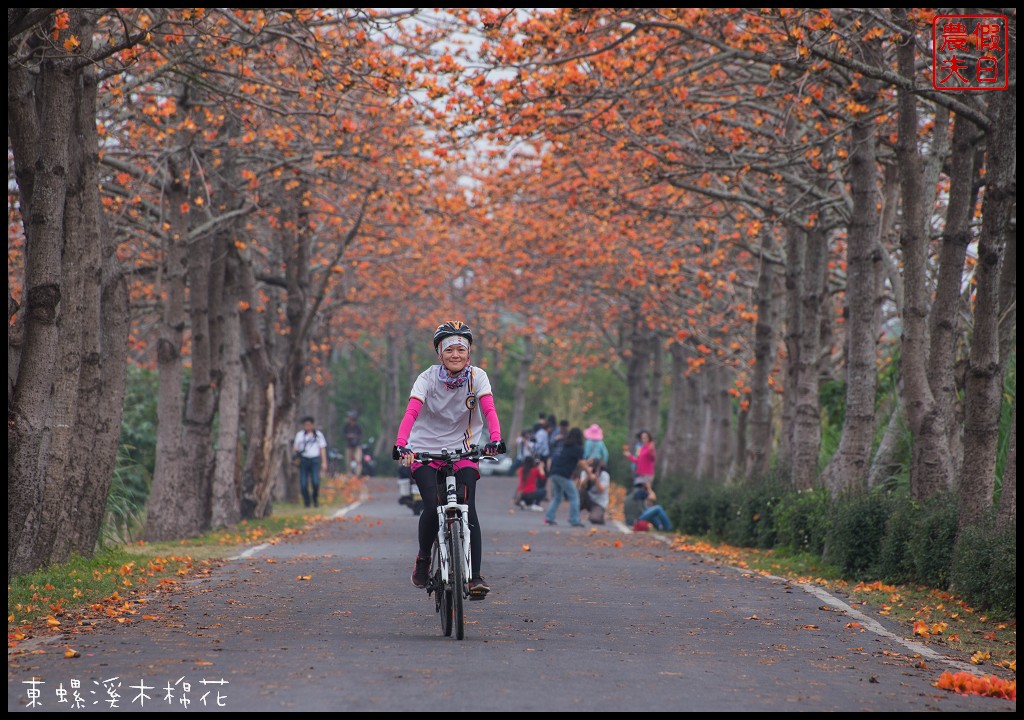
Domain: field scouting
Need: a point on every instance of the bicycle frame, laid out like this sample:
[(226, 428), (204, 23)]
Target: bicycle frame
[(448, 514)]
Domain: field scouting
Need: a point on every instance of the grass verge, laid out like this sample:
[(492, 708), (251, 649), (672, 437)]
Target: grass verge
[(117, 583)]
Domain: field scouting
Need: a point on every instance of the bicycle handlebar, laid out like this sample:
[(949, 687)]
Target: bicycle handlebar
[(473, 454)]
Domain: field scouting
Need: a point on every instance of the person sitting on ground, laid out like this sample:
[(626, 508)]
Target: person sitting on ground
[(529, 493), (653, 513), (633, 506)]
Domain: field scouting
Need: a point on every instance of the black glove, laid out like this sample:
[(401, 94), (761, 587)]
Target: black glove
[(495, 448), (399, 451)]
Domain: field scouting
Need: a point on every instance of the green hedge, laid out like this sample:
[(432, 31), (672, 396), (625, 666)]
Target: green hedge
[(879, 535), (917, 546), (984, 569), (854, 542), (802, 521)]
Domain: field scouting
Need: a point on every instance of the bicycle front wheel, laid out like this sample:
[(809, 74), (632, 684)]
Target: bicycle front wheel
[(442, 594), (458, 578)]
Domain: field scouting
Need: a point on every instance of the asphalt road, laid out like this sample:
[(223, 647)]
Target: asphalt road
[(592, 619)]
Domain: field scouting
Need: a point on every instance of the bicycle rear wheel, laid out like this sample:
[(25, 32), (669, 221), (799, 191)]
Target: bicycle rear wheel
[(442, 594), (458, 584)]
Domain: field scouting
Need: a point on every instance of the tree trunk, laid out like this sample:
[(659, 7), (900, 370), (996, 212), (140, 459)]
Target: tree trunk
[(170, 512), (263, 486), (1008, 298), (735, 473), (79, 267), (889, 233), (638, 376), (279, 372), (983, 394), (850, 464), (259, 400), (706, 412), (58, 336), (201, 402), (827, 336), (225, 506), (519, 392), (1006, 516), (724, 436), (759, 447), (795, 244), (885, 463), (806, 444), (692, 422), (945, 331), (105, 328), (672, 459), (655, 385), (300, 315), (931, 469), (39, 142)]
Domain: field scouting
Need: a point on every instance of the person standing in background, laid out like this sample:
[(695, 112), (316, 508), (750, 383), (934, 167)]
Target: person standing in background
[(556, 431), (542, 420), (524, 449), (541, 444), (556, 436), (310, 447), (353, 433), (593, 446), (644, 458), (565, 468)]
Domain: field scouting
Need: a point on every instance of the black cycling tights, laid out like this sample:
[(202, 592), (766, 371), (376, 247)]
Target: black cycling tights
[(426, 479)]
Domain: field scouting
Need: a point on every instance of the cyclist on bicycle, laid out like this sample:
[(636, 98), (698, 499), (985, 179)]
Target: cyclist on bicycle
[(448, 405)]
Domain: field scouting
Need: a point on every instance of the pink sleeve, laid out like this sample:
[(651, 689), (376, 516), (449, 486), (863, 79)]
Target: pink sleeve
[(491, 414), (412, 411)]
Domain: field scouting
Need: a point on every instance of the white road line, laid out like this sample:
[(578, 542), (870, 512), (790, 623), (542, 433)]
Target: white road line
[(873, 625), (867, 622), (247, 553), (363, 496), (338, 514)]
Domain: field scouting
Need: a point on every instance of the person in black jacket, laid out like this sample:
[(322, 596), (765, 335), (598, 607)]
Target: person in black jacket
[(565, 467)]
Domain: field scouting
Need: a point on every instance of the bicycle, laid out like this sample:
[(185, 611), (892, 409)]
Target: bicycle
[(450, 557)]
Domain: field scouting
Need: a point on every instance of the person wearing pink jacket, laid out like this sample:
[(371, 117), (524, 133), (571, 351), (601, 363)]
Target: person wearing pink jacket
[(644, 460)]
